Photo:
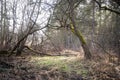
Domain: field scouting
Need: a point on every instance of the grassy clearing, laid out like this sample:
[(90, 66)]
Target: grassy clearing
[(58, 68), (62, 63)]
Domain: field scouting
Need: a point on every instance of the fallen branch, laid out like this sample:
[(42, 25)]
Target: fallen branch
[(41, 53)]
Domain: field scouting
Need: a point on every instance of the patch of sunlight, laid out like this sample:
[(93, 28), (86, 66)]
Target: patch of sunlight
[(52, 58), (63, 63), (48, 60)]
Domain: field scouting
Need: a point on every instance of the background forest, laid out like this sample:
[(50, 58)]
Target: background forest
[(89, 29)]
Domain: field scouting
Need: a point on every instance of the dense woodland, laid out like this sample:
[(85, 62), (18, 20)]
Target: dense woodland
[(59, 39)]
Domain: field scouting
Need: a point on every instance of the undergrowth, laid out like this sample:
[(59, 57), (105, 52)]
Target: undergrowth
[(62, 63), (58, 68)]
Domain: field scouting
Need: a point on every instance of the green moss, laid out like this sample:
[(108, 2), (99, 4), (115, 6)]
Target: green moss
[(78, 34)]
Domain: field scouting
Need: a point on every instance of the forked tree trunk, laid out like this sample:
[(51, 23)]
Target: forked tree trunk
[(21, 47), (18, 45)]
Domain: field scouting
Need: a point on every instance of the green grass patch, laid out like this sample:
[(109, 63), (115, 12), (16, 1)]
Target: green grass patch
[(67, 64)]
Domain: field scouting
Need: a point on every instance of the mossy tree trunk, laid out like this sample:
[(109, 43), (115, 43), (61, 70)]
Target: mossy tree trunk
[(87, 52), (74, 29), (83, 44)]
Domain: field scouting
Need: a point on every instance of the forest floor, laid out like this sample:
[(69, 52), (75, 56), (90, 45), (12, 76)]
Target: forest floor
[(56, 68)]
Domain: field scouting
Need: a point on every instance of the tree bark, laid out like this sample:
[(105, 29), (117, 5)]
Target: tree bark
[(87, 52), (74, 29)]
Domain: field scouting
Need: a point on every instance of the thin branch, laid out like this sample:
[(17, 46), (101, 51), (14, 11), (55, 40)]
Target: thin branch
[(106, 8), (112, 10)]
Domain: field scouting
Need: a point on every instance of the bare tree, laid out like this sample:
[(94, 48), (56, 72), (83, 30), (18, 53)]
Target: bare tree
[(30, 29), (65, 15)]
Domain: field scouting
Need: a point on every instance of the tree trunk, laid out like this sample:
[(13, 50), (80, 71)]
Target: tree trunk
[(87, 52), (18, 46), (21, 47), (76, 31)]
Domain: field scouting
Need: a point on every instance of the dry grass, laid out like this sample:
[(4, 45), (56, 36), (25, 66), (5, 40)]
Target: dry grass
[(61, 68)]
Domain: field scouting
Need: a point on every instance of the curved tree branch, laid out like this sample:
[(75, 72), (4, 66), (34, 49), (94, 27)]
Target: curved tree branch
[(106, 8)]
